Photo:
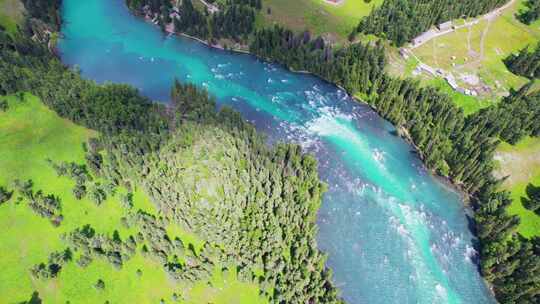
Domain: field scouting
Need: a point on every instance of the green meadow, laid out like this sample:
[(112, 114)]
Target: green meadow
[(318, 16), (30, 134)]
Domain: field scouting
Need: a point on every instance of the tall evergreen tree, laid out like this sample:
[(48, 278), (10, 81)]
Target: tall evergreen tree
[(532, 13), (525, 63)]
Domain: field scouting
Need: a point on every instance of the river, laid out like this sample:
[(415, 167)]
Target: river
[(393, 232)]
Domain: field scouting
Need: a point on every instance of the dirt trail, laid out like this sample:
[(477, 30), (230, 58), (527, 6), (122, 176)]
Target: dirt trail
[(434, 45), (469, 34), (471, 51), (483, 38)]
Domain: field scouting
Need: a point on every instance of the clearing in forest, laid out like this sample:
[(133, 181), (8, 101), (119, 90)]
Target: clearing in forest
[(521, 163), (320, 17)]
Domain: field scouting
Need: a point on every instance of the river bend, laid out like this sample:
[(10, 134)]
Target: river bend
[(393, 233)]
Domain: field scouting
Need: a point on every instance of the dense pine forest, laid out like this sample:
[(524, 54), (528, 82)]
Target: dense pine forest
[(515, 117), (525, 63), (400, 21), (142, 141), (354, 67), (262, 204)]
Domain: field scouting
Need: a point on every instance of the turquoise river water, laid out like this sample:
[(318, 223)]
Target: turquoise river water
[(393, 233)]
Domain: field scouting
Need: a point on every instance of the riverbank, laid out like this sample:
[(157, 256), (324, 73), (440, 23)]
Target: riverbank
[(404, 133), (401, 130)]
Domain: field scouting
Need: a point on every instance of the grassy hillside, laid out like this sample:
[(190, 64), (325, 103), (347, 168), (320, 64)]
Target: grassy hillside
[(31, 133), (318, 16), (522, 164), (11, 14)]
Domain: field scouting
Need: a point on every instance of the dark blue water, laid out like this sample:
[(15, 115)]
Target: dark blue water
[(393, 233)]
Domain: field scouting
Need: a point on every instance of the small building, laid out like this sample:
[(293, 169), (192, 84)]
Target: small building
[(445, 26)]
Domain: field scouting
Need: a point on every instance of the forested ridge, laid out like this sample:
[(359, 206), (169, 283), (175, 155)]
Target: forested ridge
[(402, 20), (256, 215)]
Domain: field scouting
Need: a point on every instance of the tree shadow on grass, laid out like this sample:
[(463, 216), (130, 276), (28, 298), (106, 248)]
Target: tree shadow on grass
[(35, 299)]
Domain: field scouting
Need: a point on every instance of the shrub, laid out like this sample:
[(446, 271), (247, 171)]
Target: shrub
[(100, 285), (5, 195), (3, 106)]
